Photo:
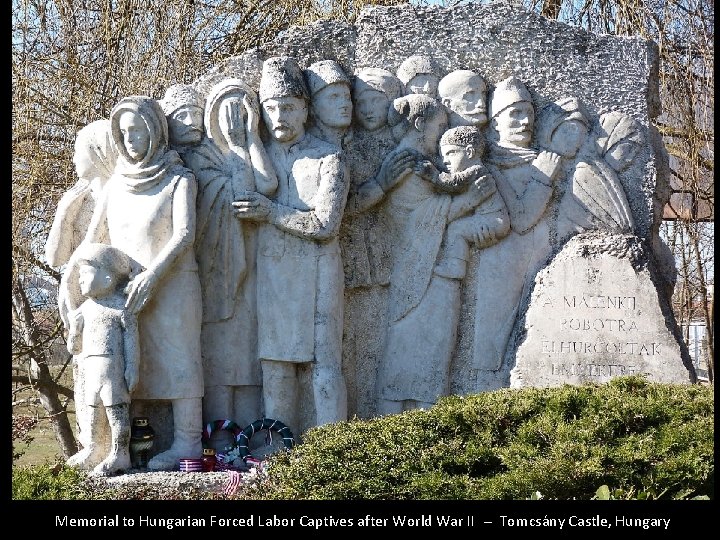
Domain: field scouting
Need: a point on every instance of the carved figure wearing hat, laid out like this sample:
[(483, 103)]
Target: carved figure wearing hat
[(525, 179), (300, 275), (330, 103), (183, 108)]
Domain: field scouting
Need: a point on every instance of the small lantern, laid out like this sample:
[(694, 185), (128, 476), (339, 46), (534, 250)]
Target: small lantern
[(209, 459), (141, 441)]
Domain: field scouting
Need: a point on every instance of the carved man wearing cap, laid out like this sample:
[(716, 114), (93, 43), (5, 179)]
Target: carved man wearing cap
[(300, 275), (525, 179), (331, 107)]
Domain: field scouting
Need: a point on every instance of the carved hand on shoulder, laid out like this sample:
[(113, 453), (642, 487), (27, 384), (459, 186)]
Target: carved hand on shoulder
[(253, 206), (548, 163), (140, 290)]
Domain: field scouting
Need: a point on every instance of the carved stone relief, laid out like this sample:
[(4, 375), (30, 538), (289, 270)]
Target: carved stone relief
[(370, 232)]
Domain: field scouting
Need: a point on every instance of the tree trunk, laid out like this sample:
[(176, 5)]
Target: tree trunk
[(39, 373), (551, 8), (695, 241)]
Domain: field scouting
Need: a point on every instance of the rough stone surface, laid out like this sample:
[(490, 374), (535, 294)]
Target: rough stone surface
[(595, 313)]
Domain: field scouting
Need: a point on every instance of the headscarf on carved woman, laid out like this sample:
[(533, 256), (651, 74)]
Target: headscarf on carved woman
[(594, 197), (148, 212), (94, 161), (230, 161), (363, 240)]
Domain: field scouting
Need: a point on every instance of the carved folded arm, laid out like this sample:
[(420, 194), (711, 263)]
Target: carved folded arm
[(323, 221), (476, 194)]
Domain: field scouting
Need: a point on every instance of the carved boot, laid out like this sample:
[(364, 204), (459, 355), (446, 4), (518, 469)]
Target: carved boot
[(187, 440), (119, 457)]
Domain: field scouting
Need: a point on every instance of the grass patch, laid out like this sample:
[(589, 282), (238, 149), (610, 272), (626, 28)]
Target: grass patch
[(39, 446)]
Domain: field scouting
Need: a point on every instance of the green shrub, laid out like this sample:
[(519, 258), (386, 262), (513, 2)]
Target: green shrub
[(634, 436), (48, 482)]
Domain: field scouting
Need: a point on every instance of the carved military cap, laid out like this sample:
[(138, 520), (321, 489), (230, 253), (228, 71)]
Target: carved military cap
[(415, 65), (179, 95), (508, 92), (378, 79), (324, 73), (282, 77)]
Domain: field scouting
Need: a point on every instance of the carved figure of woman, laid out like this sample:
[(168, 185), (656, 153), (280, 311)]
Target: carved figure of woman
[(148, 212), (595, 198), (94, 160), (232, 160)]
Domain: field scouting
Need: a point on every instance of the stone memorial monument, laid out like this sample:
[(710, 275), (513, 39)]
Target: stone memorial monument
[(358, 219)]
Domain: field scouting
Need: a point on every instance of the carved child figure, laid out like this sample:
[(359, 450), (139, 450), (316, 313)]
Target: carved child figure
[(462, 149), (104, 335)]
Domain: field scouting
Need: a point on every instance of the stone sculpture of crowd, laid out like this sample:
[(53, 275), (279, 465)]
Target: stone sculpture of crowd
[(208, 242)]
